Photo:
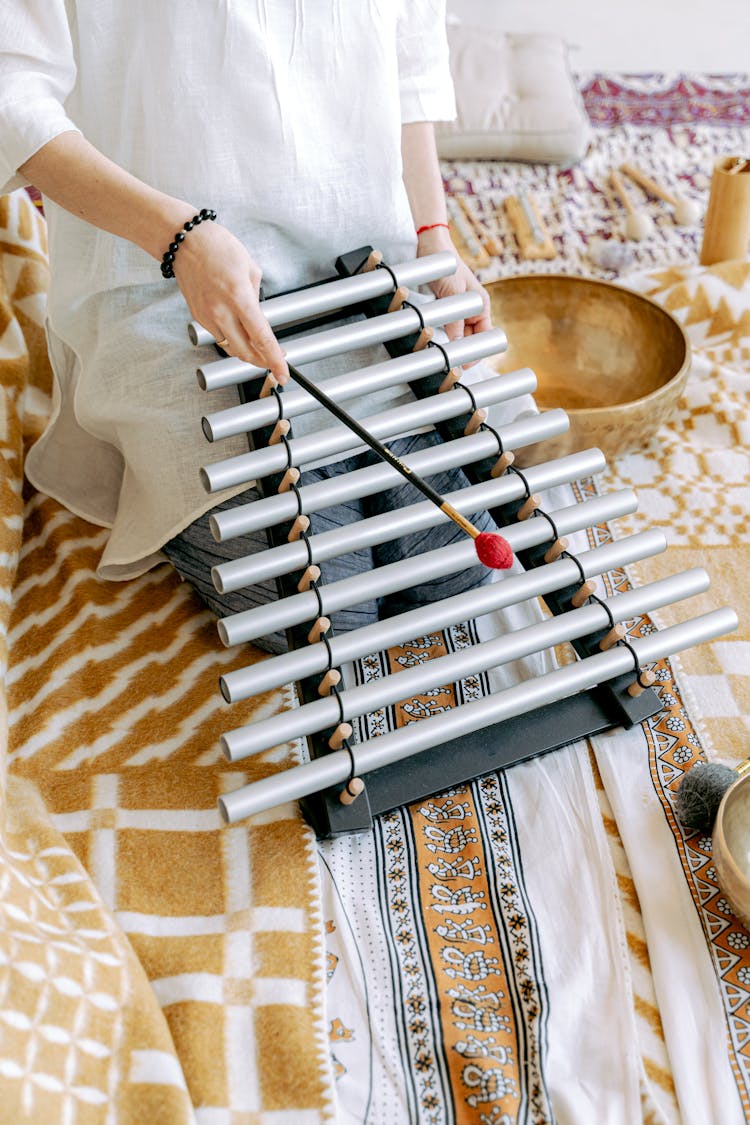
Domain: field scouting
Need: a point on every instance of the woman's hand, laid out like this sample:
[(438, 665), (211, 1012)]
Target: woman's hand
[(221, 285), (462, 281), (217, 276)]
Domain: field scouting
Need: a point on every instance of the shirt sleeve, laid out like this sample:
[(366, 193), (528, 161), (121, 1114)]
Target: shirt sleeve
[(425, 80), (37, 72)]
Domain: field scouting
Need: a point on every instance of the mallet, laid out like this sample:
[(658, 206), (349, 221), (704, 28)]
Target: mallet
[(686, 210), (492, 550), (638, 224)]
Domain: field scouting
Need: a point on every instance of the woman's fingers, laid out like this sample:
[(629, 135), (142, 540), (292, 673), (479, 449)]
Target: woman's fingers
[(454, 330), (483, 321), (251, 339), (264, 345)]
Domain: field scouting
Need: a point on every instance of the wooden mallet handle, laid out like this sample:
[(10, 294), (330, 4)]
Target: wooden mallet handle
[(648, 184), (621, 192)]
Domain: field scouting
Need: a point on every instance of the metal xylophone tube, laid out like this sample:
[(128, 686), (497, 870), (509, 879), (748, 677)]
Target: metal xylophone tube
[(336, 767), (414, 365), (271, 510), (340, 292), (248, 624), (386, 425), (274, 509), (299, 663), (312, 717), (346, 337), (236, 573)]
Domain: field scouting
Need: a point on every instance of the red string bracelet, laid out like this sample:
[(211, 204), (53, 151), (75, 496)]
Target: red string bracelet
[(431, 226)]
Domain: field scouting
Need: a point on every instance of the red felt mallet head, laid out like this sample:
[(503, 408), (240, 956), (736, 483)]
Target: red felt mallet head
[(493, 551)]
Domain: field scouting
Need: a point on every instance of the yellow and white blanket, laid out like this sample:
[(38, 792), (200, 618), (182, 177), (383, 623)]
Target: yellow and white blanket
[(154, 965), (544, 945)]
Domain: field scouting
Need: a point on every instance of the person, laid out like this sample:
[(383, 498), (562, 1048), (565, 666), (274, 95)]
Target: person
[(305, 128)]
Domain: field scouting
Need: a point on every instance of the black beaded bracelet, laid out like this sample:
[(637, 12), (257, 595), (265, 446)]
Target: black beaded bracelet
[(205, 215)]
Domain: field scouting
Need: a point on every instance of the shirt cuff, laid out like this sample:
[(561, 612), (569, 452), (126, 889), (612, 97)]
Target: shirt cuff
[(25, 126), (425, 81), (427, 101)]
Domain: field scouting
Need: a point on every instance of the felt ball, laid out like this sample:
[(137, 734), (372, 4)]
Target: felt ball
[(686, 211), (493, 551), (611, 255), (700, 792), (638, 226)]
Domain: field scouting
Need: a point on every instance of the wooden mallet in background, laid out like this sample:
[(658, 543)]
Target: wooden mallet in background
[(686, 211), (638, 224)]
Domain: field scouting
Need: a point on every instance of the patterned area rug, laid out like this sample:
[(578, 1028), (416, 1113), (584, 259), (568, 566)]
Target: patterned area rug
[(673, 128), (448, 963), (666, 99), (460, 938)]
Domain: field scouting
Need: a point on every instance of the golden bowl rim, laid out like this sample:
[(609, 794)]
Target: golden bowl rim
[(718, 834), (644, 400)]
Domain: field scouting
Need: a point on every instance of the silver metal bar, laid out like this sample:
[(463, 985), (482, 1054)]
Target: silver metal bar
[(366, 380), (336, 767), (516, 588), (271, 510), (385, 425), (236, 573), (576, 677), (341, 292), (344, 338), (313, 717), (536, 232), (237, 628)]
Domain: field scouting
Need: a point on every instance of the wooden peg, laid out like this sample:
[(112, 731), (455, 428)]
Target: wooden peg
[(301, 524), (532, 503), (583, 593), (616, 633), (476, 420), (423, 339), (492, 245), (373, 261), (312, 574), (281, 429), (351, 791), (503, 462), (331, 678), (636, 688), (270, 383), (321, 626), (290, 477), (398, 299), (557, 548), (342, 731), (450, 380)]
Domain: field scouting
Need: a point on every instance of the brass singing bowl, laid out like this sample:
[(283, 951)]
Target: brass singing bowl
[(731, 847), (614, 360)]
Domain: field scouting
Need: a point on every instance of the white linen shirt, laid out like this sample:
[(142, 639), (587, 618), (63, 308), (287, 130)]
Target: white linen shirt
[(286, 119)]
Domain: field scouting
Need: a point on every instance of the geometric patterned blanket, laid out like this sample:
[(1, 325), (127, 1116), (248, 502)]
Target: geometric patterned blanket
[(154, 964)]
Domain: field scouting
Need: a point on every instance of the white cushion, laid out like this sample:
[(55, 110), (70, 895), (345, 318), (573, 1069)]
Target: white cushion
[(516, 98)]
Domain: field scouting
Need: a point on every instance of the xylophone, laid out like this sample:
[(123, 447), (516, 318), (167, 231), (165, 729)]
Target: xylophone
[(606, 686)]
